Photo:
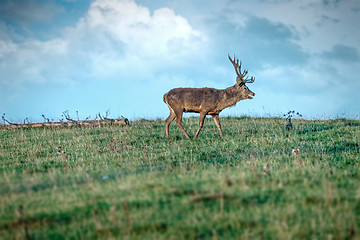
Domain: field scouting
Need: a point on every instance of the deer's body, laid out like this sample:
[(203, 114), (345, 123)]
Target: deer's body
[(206, 101), (209, 100)]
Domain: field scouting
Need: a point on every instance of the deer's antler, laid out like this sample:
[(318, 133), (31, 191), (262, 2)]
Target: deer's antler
[(240, 75)]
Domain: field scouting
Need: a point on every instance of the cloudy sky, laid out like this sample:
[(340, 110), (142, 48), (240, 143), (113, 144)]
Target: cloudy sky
[(123, 55)]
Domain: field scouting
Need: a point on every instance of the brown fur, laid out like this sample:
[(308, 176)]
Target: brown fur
[(206, 101)]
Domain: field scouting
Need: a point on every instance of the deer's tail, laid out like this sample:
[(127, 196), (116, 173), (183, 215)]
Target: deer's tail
[(165, 98)]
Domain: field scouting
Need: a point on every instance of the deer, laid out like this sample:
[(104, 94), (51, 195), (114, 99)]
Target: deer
[(207, 101)]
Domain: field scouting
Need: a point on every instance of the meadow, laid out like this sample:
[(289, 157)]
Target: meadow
[(134, 183)]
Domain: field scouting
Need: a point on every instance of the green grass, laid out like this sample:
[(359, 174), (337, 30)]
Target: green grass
[(132, 182)]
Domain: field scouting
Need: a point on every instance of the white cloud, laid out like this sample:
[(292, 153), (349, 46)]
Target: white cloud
[(114, 38), (33, 61), (7, 48), (161, 34)]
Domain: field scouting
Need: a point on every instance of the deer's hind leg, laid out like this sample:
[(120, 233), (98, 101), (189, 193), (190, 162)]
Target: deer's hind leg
[(170, 118), (178, 113)]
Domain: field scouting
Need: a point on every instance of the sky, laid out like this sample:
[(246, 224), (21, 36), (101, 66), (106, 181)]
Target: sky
[(122, 56)]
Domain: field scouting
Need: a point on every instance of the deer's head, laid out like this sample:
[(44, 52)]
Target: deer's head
[(241, 79)]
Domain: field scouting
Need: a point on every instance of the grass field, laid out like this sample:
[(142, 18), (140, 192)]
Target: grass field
[(133, 183)]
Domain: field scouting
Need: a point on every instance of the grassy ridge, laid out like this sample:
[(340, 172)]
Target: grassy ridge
[(132, 182)]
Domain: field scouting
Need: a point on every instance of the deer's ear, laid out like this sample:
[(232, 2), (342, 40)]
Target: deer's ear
[(238, 80)]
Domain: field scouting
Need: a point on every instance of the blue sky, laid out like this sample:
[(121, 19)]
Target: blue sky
[(123, 55)]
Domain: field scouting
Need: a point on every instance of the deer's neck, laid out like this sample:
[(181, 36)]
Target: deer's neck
[(231, 97)]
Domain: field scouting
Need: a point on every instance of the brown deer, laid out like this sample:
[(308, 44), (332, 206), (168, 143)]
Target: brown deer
[(206, 101)]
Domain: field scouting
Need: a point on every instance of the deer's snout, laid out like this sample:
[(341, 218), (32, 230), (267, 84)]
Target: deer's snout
[(250, 94)]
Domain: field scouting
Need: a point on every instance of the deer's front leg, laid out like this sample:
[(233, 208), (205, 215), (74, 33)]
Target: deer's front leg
[(217, 123), (201, 123)]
